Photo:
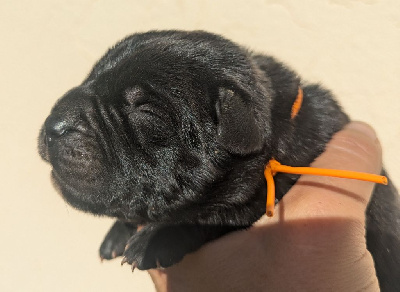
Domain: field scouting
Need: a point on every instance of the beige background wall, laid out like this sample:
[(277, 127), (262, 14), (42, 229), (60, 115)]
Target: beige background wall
[(47, 47)]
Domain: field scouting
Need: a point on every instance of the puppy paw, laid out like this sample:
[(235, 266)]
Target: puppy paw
[(115, 241), (154, 247)]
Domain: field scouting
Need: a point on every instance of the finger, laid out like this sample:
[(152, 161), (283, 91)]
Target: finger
[(336, 236), (354, 148), (159, 278)]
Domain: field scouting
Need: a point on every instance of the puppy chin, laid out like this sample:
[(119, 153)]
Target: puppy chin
[(79, 196)]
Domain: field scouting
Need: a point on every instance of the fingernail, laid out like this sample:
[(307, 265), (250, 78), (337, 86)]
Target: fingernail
[(363, 128)]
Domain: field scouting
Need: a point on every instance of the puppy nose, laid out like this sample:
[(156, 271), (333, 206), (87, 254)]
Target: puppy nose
[(55, 127)]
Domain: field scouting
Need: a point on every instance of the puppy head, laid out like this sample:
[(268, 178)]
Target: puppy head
[(156, 125)]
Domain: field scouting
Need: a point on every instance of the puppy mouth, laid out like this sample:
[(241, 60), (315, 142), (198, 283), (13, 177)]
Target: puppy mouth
[(78, 167), (73, 151), (43, 147)]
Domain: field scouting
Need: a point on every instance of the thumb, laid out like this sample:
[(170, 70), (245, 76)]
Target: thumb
[(354, 148)]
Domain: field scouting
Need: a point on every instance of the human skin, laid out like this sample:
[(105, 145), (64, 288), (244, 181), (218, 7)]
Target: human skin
[(314, 242)]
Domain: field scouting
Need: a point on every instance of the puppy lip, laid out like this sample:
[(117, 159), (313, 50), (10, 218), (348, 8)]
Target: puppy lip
[(44, 154), (43, 148)]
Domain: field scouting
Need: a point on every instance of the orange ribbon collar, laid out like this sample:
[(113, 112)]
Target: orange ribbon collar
[(274, 167), (297, 104)]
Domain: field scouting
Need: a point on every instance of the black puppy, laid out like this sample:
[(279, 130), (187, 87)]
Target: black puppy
[(171, 132)]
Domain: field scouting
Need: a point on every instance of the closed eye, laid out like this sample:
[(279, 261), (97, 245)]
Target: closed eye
[(149, 109)]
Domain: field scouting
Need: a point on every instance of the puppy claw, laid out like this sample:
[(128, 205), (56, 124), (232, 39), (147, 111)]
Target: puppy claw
[(124, 260), (133, 267)]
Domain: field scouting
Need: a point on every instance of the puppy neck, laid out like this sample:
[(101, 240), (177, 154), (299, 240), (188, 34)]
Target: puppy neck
[(303, 123)]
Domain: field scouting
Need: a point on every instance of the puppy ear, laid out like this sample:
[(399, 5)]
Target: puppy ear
[(237, 129)]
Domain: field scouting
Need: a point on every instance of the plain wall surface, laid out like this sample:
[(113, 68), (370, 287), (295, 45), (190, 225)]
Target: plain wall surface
[(47, 47)]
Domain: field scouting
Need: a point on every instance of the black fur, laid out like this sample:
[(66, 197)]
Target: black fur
[(171, 131)]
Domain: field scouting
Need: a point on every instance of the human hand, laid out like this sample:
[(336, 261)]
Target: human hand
[(314, 242)]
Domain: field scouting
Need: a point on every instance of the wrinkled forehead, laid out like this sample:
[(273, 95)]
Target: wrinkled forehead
[(175, 55), (179, 66)]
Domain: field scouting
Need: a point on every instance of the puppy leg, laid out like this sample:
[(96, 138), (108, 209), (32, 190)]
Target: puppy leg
[(160, 245), (115, 241)]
